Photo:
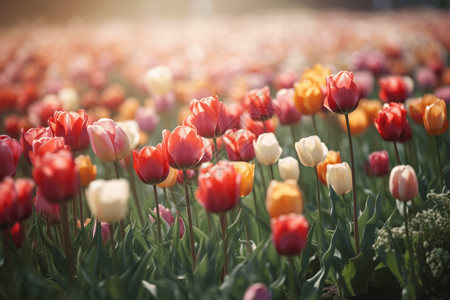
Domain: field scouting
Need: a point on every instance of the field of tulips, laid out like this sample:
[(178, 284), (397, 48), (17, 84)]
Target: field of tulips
[(270, 157)]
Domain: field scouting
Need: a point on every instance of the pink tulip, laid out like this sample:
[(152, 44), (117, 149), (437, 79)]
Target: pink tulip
[(403, 183)]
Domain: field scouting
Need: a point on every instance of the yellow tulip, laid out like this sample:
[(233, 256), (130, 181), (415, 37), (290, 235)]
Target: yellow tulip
[(170, 181), (435, 118), (283, 198), (308, 97), (87, 170), (247, 172)]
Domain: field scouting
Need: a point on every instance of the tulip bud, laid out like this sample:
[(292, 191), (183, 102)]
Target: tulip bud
[(108, 199), (131, 129), (333, 157), (257, 291), (239, 145), (151, 165), (267, 149), (10, 152), (417, 107), (283, 198), (308, 97), (395, 88), (259, 104), (72, 127), (342, 93), (247, 172), (403, 183), (46, 145), (171, 179), (27, 138), (159, 80), (379, 163), (317, 74), (286, 110), (105, 230), (288, 168), (88, 171), (339, 177), (391, 122), (15, 201), (290, 233), (435, 118), (146, 118), (311, 151), (168, 217)]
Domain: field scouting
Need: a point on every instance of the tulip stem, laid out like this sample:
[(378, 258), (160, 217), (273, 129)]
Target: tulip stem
[(188, 210), (64, 207), (318, 198), (224, 225), (80, 203), (247, 236), (439, 161), (113, 244), (355, 204), (208, 217), (116, 168), (262, 177), (166, 202), (292, 274), (399, 162), (6, 236), (133, 189), (122, 230), (216, 151), (314, 124), (408, 242), (271, 172), (74, 217), (158, 220), (256, 213)]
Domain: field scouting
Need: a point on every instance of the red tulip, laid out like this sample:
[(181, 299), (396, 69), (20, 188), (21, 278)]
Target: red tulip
[(218, 187), (394, 89), (258, 127), (286, 110), (259, 104), (234, 113), (289, 233), (183, 147), (46, 209), (168, 217), (151, 165), (379, 163), (72, 127), (56, 175), (180, 177), (27, 138), (239, 145), (391, 122), (342, 93), (208, 117), (10, 152), (46, 145), (16, 234), (15, 201)]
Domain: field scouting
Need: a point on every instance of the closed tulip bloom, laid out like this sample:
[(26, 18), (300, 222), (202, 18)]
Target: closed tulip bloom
[(259, 127), (108, 140), (289, 233), (283, 198), (239, 145), (286, 110), (16, 202), (10, 152), (105, 230), (127, 109), (183, 147), (151, 165), (339, 177), (146, 118), (358, 121), (46, 209), (417, 107), (394, 88), (171, 179), (88, 171), (108, 199), (159, 80), (333, 157), (47, 145), (219, 187), (267, 149), (391, 122), (257, 291), (247, 172), (72, 127), (379, 163), (342, 93), (308, 97), (164, 103), (403, 183), (168, 217), (131, 129), (311, 151), (259, 104), (435, 118), (27, 138), (208, 116), (69, 99), (56, 175), (317, 74), (289, 168)]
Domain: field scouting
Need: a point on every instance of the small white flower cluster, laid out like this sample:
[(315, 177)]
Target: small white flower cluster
[(438, 260), (384, 237)]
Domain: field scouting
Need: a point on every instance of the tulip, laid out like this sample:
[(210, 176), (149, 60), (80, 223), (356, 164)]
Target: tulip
[(417, 107), (443, 92), (112, 97), (259, 104), (219, 187), (285, 79), (370, 108), (168, 217), (108, 199), (27, 138), (46, 209), (339, 177), (170, 181), (403, 183), (234, 113), (88, 171), (257, 291), (290, 233), (333, 157), (56, 175), (131, 129), (105, 231), (435, 118), (72, 127), (379, 163), (108, 140), (283, 198), (342, 93), (357, 119), (147, 119), (151, 165), (208, 116), (46, 145), (164, 103), (317, 74), (364, 80), (183, 147), (69, 99), (239, 145), (288, 168), (267, 149), (311, 151), (394, 88), (286, 110), (391, 121), (127, 109), (426, 78), (258, 127), (10, 152), (181, 179), (308, 97), (247, 172), (159, 80), (16, 203)]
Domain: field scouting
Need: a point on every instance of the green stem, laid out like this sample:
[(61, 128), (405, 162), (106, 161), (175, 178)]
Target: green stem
[(319, 205), (408, 242), (355, 204), (80, 203), (247, 236), (314, 124), (224, 225), (262, 177), (158, 220), (64, 208), (216, 151), (399, 162), (292, 274), (256, 213), (271, 172), (6, 236), (116, 169), (188, 210), (74, 217), (113, 244), (166, 201), (439, 161), (133, 189)]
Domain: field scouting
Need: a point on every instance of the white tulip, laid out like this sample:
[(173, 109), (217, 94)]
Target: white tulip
[(108, 199), (267, 149), (289, 168), (131, 129), (159, 80), (311, 151), (69, 99), (339, 177)]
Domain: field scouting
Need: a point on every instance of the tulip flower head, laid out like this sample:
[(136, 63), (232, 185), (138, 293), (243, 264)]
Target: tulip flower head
[(69, 98), (342, 93), (146, 118), (247, 172), (27, 138), (308, 97), (88, 171), (16, 202), (288, 168), (168, 217), (339, 177), (283, 198), (267, 149), (257, 291), (171, 179), (10, 152), (286, 110), (311, 151), (333, 157), (131, 129), (72, 127), (259, 104), (403, 183), (105, 231), (379, 163), (151, 165), (259, 127), (435, 118), (108, 140), (317, 74), (391, 122), (239, 145), (159, 80), (417, 107), (47, 145), (395, 88), (289, 233)]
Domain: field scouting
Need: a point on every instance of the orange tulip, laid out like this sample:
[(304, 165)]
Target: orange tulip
[(308, 97), (358, 120), (128, 108), (435, 118), (247, 172), (417, 107), (371, 108), (317, 74), (170, 181), (283, 198), (333, 157), (88, 171)]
